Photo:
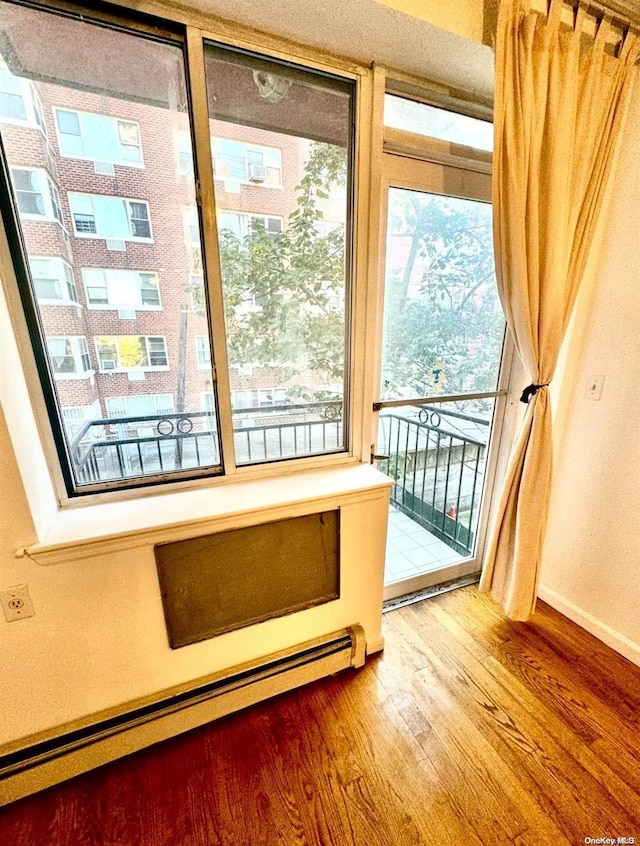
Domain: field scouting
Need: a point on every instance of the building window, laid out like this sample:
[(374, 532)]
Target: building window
[(241, 224), (69, 357), (38, 111), (110, 217), (185, 153), (241, 162), (12, 99), (98, 138), (121, 289), (75, 416), (203, 352), (258, 398), (139, 405), (131, 352), (36, 195), (54, 281)]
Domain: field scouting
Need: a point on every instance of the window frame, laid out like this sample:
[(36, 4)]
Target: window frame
[(115, 306), (33, 109), (127, 397), (79, 352), (121, 162), (65, 285), (203, 361), (97, 235), (260, 149), (247, 219), (139, 367), (359, 76), (49, 192)]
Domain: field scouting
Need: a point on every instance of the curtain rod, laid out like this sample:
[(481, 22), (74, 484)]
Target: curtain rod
[(623, 16)]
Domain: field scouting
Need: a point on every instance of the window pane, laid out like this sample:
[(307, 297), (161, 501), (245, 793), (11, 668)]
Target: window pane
[(281, 140), (443, 326), (423, 119), (68, 122), (118, 247)]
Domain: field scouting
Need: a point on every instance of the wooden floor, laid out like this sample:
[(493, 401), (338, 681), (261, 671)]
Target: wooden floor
[(468, 730)]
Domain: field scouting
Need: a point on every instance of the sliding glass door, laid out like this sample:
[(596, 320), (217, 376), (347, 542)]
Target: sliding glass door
[(442, 382)]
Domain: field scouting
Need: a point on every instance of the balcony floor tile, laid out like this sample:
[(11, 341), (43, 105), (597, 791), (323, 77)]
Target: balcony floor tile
[(412, 550)]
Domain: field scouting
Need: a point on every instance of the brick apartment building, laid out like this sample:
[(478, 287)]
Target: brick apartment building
[(106, 198)]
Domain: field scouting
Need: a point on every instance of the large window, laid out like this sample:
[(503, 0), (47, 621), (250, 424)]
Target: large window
[(19, 101), (130, 173), (69, 357), (242, 224), (36, 195), (284, 274), (99, 138), (54, 281), (121, 289), (12, 95), (131, 352), (96, 216), (242, 162), (140, 405)]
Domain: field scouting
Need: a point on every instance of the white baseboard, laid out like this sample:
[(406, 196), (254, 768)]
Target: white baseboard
[(597, 628), (71, 750)]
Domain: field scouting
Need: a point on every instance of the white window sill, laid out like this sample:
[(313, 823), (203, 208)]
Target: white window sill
[(96, 236), (74, 377), (92, 160), (163, 367), (129, 307), (98, 529)]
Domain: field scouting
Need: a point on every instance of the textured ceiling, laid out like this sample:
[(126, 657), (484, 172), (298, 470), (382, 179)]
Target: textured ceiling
[(367, 31)]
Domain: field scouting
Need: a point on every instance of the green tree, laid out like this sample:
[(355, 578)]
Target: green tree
[(284, 293), (443, 323)]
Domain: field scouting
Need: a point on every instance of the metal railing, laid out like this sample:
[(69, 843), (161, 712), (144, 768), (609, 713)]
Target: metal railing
[(128, 447), (437, 459)]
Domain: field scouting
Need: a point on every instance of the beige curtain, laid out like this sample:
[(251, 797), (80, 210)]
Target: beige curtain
[(561, 99)]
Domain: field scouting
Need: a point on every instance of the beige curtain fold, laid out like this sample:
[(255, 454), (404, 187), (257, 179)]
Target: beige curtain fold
[(561, 100)]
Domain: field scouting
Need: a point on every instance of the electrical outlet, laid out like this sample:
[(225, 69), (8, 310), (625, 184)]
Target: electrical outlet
[(594, 386), (16, 603)]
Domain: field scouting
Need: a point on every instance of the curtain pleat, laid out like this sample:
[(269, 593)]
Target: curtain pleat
[(560, 106)]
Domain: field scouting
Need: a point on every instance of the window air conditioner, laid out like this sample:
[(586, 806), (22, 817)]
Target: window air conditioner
[(108, 364), (257, 173)]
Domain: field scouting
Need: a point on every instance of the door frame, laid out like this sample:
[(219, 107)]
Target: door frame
[(438, 172)]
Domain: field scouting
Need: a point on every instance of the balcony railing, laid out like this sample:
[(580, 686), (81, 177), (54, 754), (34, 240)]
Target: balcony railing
[(128, 447), (437, 459)]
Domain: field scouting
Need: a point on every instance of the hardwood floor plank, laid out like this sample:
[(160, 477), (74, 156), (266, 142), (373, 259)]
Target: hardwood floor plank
[(556, 676), (469, 730), (410, 788), (501, 792), (558, 765)]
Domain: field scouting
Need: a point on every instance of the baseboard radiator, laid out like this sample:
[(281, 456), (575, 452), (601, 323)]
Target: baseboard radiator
[(45, 761)]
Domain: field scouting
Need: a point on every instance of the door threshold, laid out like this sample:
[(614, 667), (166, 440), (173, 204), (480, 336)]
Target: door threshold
[(428, 593)]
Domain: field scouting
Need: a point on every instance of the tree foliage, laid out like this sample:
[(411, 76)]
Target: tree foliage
[(443, 325), (284, 293)]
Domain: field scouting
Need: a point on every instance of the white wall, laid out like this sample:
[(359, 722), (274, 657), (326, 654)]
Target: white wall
[(98, 638), (591, 561)]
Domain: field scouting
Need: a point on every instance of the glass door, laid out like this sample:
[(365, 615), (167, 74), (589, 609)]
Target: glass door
[(442, 382)]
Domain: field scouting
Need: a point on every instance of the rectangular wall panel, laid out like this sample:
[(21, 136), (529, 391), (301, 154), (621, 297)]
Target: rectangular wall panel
[(227, 580)]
